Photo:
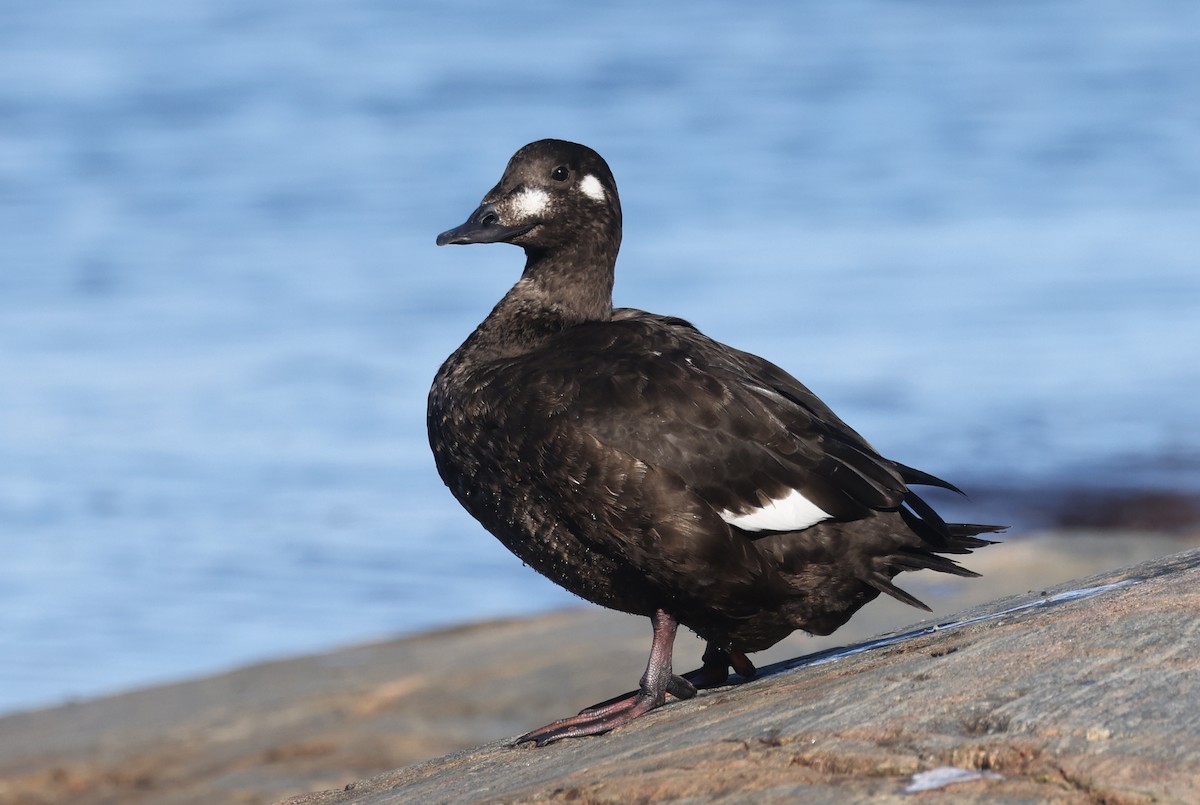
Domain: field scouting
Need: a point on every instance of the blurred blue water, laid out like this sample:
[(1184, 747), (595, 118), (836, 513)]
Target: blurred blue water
[(972, 229)]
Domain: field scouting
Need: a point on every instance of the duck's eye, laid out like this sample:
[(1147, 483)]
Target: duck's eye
[(561, 173)]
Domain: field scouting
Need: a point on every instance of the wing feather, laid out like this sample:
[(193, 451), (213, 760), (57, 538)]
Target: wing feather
[(738, 430)]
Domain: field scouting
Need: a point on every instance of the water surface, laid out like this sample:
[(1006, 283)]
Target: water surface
[(973, 230)]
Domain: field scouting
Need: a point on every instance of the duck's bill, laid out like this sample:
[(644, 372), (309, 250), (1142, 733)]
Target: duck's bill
[(482, 227)]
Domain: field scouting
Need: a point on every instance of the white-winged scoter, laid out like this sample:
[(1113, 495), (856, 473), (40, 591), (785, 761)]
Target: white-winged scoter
[(650, 469)]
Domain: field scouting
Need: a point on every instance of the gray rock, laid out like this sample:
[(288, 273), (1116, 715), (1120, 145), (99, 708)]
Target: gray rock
[(1089, 693), (278, 729)]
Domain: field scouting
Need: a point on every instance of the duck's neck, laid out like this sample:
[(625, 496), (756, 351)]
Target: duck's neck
[(556, 291), (576, 284)]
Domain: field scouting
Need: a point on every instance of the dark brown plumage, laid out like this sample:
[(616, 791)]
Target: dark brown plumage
[(650, 469)]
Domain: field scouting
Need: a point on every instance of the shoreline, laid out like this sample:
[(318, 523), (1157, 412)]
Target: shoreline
[(282, 728), (1078, 694), (43, 679)]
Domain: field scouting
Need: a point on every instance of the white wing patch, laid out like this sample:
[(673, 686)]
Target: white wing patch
[(792, 512), (530, 202), (592, 188)]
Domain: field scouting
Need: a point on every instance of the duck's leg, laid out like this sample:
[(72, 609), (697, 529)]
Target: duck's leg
[(713, 674), (715, 671), (656, 683)]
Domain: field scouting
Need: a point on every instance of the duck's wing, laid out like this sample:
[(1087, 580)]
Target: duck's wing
[(752, 442)]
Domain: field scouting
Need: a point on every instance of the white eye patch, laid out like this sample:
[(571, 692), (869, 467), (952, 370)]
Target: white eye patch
[(592, 188), (530, 202)]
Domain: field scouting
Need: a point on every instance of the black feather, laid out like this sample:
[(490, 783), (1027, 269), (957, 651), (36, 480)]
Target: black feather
[(607, 448)]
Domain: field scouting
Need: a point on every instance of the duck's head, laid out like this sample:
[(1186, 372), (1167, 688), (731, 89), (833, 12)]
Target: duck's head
[(553, 194)]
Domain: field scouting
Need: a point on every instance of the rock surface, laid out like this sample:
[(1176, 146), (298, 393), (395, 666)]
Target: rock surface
[(1088, 695), (280, 729)]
